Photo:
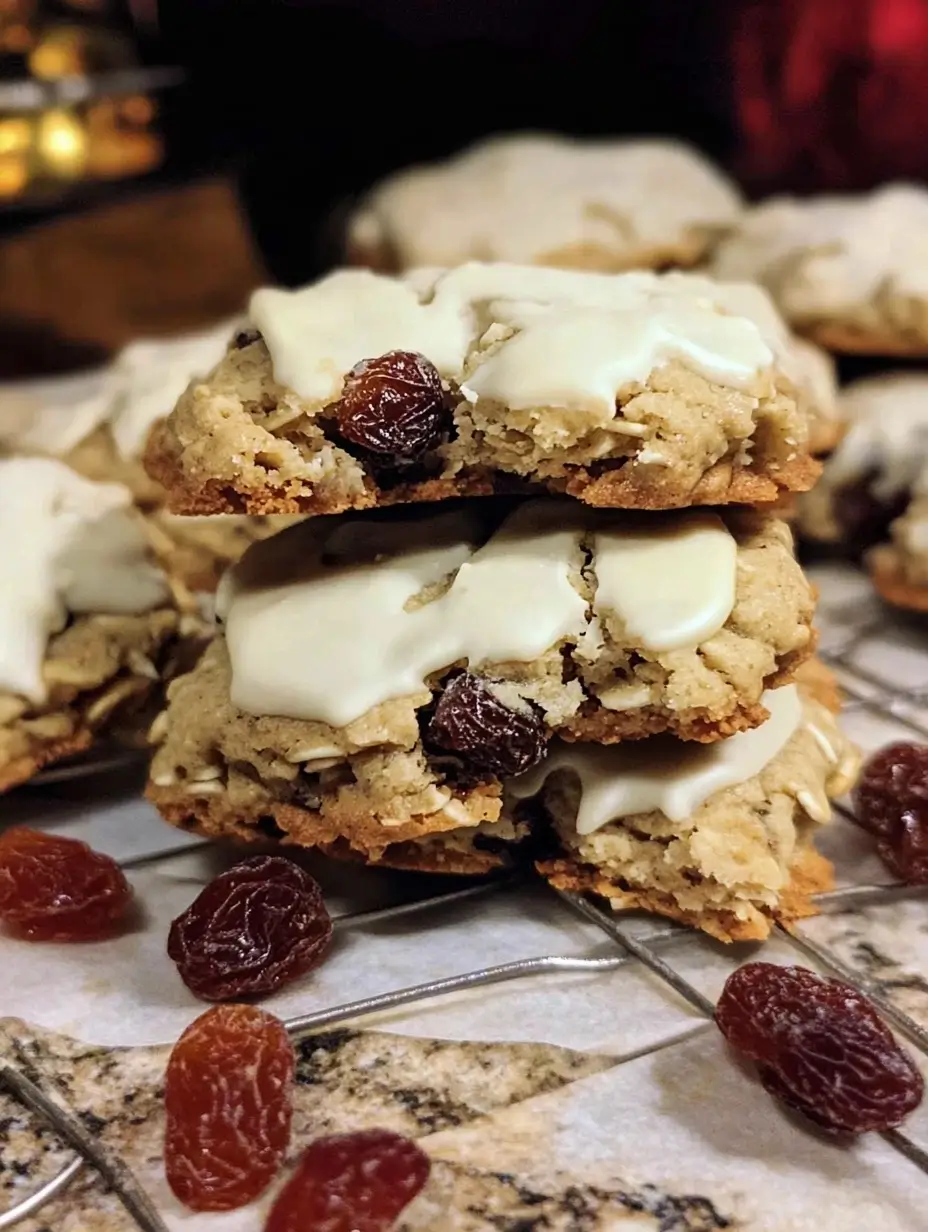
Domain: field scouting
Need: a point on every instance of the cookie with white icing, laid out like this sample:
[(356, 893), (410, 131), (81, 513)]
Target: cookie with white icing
[(718, 836), (535, 199), (849, 271), (633, 390), (99, 425), (88, 621), (869, 479), (379, 678)]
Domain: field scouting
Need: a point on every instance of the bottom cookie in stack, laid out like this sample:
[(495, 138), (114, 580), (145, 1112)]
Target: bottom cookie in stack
[(715, 835)]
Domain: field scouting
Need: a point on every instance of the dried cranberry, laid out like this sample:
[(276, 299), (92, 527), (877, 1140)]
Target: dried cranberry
[(864, 518), (228, 1101), (394, 408), (257, 926), (358, 1182), (891, 801), (59, 889), (470, 721), (820, 1046)]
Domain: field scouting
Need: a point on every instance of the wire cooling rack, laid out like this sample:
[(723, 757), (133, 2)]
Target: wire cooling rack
[(892, 688)]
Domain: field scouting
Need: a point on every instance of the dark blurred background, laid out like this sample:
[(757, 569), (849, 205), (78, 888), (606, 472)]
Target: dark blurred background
[(157, 160)]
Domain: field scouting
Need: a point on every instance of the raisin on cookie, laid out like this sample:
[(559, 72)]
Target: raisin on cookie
[(628, 391)]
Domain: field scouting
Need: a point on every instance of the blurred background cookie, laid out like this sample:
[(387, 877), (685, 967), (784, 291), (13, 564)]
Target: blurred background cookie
[(536, 199)]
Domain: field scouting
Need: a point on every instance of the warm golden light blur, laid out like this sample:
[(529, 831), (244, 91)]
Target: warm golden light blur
[(119, 141), (104, 139), (16, 30), (61, 52), (61, 145), (15, 143)]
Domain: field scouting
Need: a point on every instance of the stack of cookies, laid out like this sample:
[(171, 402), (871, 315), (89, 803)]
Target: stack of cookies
[(540, 607)]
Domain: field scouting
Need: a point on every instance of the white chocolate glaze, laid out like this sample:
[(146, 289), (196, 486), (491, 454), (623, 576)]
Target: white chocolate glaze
[(662, 774), (150, 375), (823, 255), (318, 334), (669, 581), (53, 416), (529, 196), (139, 388), (561, 338), (348, 636), (323, 625), (70, 545)]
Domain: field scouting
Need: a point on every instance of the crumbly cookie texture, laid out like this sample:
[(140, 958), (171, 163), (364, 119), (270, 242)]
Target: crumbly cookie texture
[(634, 390), (103, 674), (376, 787), (98, 426), (875, 471), (90, 621), (850, 272), (738, 861), (748, 845), (672, 622), (547, 200)]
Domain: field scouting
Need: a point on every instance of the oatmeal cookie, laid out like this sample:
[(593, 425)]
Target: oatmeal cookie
[(89, 623), (851, 272), (877, 473), (633, 390), (380, 678), (605, 625), (98, 424), (715, 835), (546, 200)]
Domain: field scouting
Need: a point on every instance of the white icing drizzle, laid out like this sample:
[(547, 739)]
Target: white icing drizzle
[(53, 416), (564, 338), (670, 581), (149, 376), (316, 335), (346, 636), (325, 625), (662, 774), (524, 196), (140, 387), (70, 545), (822, 254)]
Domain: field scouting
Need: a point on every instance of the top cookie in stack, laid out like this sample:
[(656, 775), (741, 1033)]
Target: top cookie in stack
[(630, 391), (443, 685)]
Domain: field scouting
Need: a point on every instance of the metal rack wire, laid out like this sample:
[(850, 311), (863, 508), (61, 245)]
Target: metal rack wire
[(654, 949)]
